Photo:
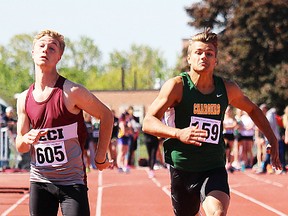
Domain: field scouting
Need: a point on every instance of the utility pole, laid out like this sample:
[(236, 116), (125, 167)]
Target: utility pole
[(123, 76), (135, 79)]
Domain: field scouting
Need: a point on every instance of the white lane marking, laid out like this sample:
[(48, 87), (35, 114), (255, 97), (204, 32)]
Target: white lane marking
[(258, 202), (99, 194), (15, 205), (164, 188), (100, 191), (156, 182), (167, 190), (265, 180)]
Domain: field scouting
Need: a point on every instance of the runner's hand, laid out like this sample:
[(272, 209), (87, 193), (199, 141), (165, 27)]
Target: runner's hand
[(33, 136), (192, 135), (101, 165)]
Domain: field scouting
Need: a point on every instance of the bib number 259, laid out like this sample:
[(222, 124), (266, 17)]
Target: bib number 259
[(212, 127)]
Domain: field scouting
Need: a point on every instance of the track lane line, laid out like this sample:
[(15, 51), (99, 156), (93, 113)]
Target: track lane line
[(15, 205), (99, 194), (158, 184), (257, 202), (277, 184), (259, 179), (167, 191)]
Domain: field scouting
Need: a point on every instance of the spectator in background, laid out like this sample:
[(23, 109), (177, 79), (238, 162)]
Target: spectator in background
[(133, 138), (229, 125), (124, 133), (152, 143), (94, 139), (9, 121), (113, 144), (261, 142), (246, 140), (285, 124), (271, 117), (86, 153), (282, 146), (236, 162)]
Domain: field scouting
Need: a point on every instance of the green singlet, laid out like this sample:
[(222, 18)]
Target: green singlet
[(206, 110)]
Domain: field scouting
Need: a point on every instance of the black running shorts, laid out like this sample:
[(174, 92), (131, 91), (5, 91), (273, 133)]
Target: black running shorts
[(189, 189), (45, 199)]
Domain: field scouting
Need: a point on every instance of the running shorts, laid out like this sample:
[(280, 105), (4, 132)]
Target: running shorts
[(189, 189)]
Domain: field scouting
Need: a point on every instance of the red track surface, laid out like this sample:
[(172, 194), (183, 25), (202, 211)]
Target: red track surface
[(134, 194)]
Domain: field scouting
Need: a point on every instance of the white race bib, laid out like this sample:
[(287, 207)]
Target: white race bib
[(212, 127), (50, 154)]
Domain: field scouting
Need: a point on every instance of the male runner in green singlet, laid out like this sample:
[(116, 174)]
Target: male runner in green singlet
[(195, 103)]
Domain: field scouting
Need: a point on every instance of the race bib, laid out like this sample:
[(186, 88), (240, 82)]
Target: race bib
[(50, 154), (212, 127)]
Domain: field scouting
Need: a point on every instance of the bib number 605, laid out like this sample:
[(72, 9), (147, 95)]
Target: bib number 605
[(50, 154)]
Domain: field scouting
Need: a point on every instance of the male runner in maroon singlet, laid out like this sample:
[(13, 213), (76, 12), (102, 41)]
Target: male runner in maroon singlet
[(51, 126)]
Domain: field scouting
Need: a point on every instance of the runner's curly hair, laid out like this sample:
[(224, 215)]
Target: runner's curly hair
[(53, 34)]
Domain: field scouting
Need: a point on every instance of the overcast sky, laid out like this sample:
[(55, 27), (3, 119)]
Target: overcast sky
[(112, 24)]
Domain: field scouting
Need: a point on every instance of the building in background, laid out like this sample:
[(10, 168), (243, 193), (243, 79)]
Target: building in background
[(120, 100)]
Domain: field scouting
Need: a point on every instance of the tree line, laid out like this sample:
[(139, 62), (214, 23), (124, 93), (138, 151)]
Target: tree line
[(138, 68), (252, 51)]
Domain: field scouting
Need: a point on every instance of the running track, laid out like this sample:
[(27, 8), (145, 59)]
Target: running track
[(134, 194)]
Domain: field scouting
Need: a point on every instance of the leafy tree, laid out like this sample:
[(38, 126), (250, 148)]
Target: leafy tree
[(136, 69), (146, 65), (81, 55), (15, 67), (81, 61), (252, 44)]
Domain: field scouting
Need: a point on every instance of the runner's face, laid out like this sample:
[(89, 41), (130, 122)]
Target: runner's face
[(202, 57), (46, 51)]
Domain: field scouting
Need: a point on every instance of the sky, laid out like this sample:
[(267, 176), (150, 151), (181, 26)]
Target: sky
[(112, 24)]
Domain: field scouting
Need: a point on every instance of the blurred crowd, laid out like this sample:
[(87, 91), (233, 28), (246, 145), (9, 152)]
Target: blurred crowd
[(124, 143), (246, 146), (8, 123)]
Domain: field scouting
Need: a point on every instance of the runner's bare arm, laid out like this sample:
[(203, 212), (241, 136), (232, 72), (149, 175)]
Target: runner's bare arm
[(78, 97), (167, 97), (25, 137), (170, 95)]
